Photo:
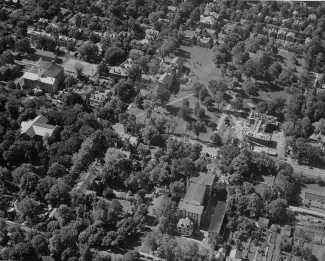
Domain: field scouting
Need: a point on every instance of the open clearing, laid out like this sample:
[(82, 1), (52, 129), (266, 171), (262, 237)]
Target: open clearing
[(88, 68)]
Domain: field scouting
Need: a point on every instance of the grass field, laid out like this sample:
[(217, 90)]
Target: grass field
[(88, 68)]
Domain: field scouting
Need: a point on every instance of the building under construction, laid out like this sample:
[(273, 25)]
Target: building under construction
[(258, 128)]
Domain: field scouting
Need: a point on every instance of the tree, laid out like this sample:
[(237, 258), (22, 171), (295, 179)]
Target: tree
[(40, 244), (217, 86), (135, 72), (79, 69), (250, 87), (132, 256), (238, 104), (216, 139), (201, 114), (162, 95), (277, 210), (28, 182), (59, 193), (294, 60), (219, 98), (196, 88), (275, 70), (149, 134), (22, 29), (185, 112), (23, 46), (114, 55), (28, 208), (70, 81), (196, 127), (88, 51)]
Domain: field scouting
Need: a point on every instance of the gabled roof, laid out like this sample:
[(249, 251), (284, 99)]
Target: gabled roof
[(37, 127), (177, 60)]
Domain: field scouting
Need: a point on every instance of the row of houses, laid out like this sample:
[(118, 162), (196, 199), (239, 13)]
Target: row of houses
[(282, 34), (200, 37)]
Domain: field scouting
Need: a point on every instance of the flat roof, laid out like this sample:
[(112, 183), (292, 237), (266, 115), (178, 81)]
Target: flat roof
[(315, 197), (191, 207), (218, 217), (195, 194), (203, 179)]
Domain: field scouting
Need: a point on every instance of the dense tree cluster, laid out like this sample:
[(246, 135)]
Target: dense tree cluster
[(244, 203)]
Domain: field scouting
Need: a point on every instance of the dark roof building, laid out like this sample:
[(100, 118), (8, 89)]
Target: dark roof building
[(218, 218)]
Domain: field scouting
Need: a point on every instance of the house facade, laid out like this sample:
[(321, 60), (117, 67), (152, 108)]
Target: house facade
[(185, 226)]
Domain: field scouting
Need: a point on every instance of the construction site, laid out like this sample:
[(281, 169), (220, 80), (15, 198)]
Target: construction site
[(257, 131)]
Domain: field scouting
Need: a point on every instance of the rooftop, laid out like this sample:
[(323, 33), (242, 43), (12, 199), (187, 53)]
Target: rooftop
[(185, 222), (190, 207), (37, 127), (218, 217), (314, 197), (203, 179), (195, 194)]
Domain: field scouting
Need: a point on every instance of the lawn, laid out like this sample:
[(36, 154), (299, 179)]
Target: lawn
[(88, 68), (318, 251), (199, 62)]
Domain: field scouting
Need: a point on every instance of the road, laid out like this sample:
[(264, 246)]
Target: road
[(222, 118), (167, 104), (309, 172)]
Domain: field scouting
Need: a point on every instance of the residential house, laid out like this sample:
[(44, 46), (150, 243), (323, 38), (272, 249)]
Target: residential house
[(290, 37), (208, 8), (189, 37), (185, 226), (281, 34), (38, 127), (85, 181), (8, 71), (221, 254), (118, 72), (178, 62), (317, 138), (312, 17), (263, 222), (46, 77), (98, 98), (235, 255), (151, 34), (12, 3), (44, 55), (172, 9), (205, 42), (207, 21), (295, 13), (308, 40), (287, 230), (209, 33), (273, 32), (217, 220), (125, 137), (166, 80), (275, 228)]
